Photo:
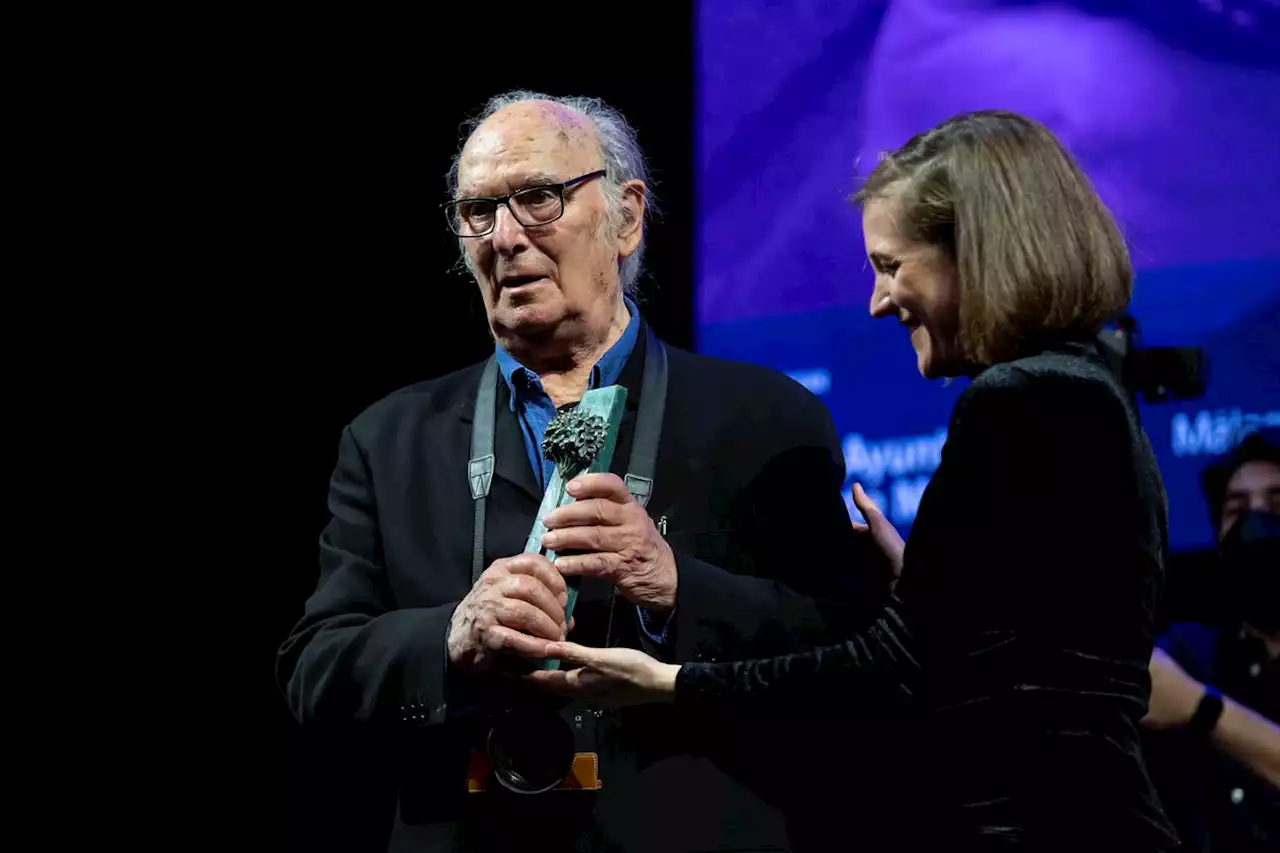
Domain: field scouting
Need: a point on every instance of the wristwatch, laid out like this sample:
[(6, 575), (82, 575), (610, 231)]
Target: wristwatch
[(1206, 715)]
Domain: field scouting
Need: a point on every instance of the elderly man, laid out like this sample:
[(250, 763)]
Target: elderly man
[(426, 607)]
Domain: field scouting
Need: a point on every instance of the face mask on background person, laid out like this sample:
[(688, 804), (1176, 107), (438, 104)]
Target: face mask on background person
[(1251, 557)]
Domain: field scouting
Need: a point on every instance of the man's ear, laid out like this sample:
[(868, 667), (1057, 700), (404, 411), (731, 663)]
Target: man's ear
[(632, 227)]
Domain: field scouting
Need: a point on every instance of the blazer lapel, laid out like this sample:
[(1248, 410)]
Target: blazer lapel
[(512, 463), (631, 378)]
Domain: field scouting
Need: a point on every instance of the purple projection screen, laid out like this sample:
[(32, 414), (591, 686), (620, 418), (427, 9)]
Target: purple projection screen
[(1171, 106)]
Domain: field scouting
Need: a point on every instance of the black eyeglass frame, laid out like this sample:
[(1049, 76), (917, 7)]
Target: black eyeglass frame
[(505, 201)]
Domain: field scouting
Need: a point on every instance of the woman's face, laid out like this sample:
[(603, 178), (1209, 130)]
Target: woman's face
[(916, 283)]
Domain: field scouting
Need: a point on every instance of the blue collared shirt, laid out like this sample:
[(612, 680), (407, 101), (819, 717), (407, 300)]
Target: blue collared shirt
[(534, 409)]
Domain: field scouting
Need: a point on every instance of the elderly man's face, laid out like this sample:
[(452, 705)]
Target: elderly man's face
[(546, 278)]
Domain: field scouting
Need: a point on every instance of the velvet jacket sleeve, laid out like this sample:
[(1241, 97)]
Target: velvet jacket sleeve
[(796, 574), (352, 656), (1036, 515), (879, 660)]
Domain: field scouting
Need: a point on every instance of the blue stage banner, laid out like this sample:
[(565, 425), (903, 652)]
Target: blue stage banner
[(1171, 106)]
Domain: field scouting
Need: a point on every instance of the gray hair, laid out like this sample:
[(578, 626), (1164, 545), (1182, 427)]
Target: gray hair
[(623, 161)]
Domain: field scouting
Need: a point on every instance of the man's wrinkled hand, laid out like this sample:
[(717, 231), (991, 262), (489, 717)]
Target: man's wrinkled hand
[(514, 608), (610, 536)]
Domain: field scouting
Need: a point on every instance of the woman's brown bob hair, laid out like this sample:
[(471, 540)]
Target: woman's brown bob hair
[(1038, 257)]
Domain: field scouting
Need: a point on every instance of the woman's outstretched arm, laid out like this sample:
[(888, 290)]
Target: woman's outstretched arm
[(878, 660), (878, 664)]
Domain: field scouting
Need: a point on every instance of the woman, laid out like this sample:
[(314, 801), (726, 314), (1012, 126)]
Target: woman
[(1017, 641)]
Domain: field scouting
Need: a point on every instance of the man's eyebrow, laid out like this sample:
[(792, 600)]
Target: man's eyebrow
[(881, 259), (539, 178), (526, 180)]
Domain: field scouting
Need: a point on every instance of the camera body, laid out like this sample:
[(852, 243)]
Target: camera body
[(529, 741)]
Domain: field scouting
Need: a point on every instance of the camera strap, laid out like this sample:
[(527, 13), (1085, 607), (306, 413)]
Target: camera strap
[(644, 441)]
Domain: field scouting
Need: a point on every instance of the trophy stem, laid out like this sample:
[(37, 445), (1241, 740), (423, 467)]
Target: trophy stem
[(578, 440)]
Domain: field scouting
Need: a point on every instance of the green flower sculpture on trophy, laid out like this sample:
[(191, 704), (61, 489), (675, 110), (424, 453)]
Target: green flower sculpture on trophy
[(573, 440)]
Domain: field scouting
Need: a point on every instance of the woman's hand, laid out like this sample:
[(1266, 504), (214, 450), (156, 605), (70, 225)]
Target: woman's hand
[(611, 677), (882, 530)]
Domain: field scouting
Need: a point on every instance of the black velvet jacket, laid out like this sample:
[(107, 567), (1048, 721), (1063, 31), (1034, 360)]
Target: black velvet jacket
[(1009, 673)]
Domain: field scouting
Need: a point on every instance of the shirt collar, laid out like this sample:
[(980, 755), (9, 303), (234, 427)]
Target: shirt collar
[(520, 379)]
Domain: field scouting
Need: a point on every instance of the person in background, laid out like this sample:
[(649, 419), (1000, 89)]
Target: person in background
[(1017, 641), (426, 606), (1215, 692)]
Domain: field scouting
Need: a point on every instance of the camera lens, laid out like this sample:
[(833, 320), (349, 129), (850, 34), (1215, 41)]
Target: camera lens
[(531, 750)]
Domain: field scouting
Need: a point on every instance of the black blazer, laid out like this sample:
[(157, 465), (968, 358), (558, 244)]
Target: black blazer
[(1014, 654), (748, 482)]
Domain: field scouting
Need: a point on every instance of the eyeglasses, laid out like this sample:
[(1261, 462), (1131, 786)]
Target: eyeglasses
[(536, 205)]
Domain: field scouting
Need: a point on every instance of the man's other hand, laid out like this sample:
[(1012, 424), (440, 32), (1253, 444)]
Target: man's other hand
[(514, 608), (611, 536)]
